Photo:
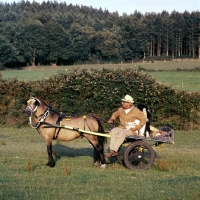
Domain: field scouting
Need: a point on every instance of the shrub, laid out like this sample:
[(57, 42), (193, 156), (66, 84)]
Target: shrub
[(98, 93)]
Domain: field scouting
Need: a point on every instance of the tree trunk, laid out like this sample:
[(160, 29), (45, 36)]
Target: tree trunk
[(167, 45), (199, 47), (159, 46), (179, 46), (151, 48), (199, 42), (193, 48), (33, 58)]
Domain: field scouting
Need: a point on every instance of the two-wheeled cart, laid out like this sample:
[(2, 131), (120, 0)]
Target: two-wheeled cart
[(138, 153)]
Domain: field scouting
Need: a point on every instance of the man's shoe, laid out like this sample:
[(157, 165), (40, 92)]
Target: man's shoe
[(108, 155), (115, 153), (112, 153)]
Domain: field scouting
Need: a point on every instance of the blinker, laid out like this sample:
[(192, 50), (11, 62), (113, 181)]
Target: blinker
[(29, 101)]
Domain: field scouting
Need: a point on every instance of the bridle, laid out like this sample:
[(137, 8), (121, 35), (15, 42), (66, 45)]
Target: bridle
[(43, 116)]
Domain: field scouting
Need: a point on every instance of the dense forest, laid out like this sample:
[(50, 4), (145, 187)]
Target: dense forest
[(60, 33)]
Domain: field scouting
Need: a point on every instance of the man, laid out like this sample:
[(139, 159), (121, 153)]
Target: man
[(128, 114)]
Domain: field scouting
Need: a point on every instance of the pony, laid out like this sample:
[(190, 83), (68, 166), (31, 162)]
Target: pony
[(52, 125), (145, 130)]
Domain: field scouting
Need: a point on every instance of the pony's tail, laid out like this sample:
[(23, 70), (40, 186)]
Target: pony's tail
[(101, 140), (99, 151)]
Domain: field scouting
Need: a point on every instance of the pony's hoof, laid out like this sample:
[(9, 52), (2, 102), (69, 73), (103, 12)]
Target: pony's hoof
[(48, 165), (96, 164), (103, 166)]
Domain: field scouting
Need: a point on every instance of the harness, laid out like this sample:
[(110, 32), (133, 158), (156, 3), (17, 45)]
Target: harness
[(58, 123)]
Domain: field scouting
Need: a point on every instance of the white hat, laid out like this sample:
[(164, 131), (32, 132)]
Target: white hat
[(128, 98)]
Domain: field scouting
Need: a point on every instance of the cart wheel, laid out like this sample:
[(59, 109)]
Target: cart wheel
[(139, 155)]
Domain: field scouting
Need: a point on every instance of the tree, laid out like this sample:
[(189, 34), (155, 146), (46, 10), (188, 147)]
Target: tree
[(178, 32), (106, 45), (125, 53), (166, 32), (7, 52), (90, 33), (135, 34), (29, 38), (58, 42), (150, 31), (78, 43)]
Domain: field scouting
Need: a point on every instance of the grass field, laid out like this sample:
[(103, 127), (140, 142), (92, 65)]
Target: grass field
[(174, 175), (189, 81)]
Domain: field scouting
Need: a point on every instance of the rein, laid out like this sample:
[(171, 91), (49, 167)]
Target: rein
[(44, 116)]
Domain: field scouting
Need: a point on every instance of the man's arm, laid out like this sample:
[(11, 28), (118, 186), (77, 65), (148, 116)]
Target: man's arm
[(141, 117), (114, 116)]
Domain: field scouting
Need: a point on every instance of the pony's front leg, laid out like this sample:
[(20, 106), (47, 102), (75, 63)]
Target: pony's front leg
[(51, 162)]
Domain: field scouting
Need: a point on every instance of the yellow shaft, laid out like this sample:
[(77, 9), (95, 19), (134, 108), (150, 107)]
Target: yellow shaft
[(88, 132)]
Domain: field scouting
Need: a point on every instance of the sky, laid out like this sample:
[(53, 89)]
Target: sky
[(129, 6)]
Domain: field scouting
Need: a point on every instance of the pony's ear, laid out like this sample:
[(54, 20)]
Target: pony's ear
[(33, 95)]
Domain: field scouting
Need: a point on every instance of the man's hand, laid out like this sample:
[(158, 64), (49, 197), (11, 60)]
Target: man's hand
[(110, 121), (134, 129)]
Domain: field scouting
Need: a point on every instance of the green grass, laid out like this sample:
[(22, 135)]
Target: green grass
[(174, 175), (31, 74), (188, 81), (180, 80)]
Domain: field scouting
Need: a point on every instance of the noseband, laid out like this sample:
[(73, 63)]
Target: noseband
[(31, 109)]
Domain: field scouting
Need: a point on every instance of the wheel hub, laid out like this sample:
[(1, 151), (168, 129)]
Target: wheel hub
[(138, 156)]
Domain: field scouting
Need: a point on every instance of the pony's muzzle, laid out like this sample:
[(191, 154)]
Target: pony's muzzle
[(28, 113), (29, 110)]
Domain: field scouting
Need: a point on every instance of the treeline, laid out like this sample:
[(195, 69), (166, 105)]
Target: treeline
[(99, 93), (61, 33)]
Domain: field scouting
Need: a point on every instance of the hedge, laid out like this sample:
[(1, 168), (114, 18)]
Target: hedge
[(99, 93)]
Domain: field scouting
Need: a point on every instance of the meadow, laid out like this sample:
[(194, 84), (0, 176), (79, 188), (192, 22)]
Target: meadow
[(175, 173), (181, 80)]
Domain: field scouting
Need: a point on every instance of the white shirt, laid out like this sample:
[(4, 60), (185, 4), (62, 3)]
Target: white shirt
[(127, 110)]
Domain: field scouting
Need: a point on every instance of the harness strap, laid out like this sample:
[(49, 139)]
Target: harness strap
[(56, 133), (58, 123), (58, 126), (85, 122)]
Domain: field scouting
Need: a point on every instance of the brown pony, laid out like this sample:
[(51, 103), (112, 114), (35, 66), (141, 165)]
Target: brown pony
[(51, 125)]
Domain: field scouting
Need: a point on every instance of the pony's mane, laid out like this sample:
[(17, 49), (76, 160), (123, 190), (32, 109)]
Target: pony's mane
[(44, 102)]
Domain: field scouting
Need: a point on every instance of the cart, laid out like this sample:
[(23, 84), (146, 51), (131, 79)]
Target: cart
[(138, 153)]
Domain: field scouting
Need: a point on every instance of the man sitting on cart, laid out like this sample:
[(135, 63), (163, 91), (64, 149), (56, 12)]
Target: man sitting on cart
[(131, 121)]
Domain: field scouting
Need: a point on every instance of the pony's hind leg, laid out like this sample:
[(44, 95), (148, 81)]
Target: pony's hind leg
[(51, 162), (99, 156), (97, 160)]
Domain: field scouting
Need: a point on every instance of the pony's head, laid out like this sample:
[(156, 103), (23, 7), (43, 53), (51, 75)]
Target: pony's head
[(32, 106)]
